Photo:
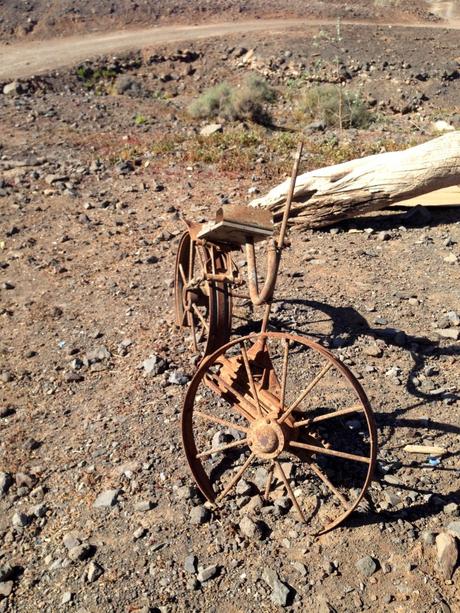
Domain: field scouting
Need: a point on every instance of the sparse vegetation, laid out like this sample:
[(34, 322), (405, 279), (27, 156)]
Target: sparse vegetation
[(327, 104), (92, 77), (247, 101), (140, 120)]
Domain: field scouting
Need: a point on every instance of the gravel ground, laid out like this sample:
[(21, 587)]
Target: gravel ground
[(98, 511)]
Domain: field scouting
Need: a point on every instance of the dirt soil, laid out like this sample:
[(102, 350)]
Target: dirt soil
[(98, 166), (44, 19)]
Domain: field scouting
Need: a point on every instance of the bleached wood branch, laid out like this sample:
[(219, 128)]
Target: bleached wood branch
[(328, 195)]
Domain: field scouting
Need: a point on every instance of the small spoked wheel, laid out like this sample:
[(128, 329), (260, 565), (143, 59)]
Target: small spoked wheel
[(282, 415), (202, 306)]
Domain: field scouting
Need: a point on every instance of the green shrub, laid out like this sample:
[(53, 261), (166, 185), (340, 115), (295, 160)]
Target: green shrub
[(235, 103), (97, 79), (335, 107), (140, 120)]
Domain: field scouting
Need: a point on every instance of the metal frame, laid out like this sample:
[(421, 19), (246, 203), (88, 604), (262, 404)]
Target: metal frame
[(206, 281)]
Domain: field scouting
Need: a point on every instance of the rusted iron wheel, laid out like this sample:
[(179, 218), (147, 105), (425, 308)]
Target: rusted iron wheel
[(202, 306), (281, 413)]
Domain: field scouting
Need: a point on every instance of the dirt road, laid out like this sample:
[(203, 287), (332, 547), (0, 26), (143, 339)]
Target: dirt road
[(26, 59)]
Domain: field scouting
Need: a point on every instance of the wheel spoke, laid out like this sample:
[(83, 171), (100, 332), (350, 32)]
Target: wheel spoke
[(251, 379), (268, 483), (200, 316), (204, 268), (331, 452), (231, 484), (305, 392), (182, 274), (314, 420), (319, 473), (246, 413), (191, 260), (213, 261), (284, 373), (222, 422), (289, 490), (242, 399), (238, 443), (191, 323)]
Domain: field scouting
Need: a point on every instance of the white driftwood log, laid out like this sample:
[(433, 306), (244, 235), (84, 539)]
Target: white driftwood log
[(328, 195)]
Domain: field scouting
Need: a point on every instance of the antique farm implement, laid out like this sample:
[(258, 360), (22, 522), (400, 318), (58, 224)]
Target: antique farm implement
[(271, 412)]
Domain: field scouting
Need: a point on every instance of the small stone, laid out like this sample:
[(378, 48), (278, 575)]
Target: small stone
[(70, 540), (12, 88), (66, 597), (106, 499), (243, 488), (280, 591), (384, 236), (139, 533), (428, 537), (454, 318), (6, 572), (453, 333), (25, 480), (454, 528), (190, 563), (7, 411), (300, 568), (367, 566), (5, 483), (20, 520), (39, 510), (6, 587), (212, 128), (447, 552), (199, 515), (154, 365), (373, 350), (80, 552), (8, 285), (144, 505), (250, 528), (73, 377), (93, 572), (6, 376), (451, 259), (177, 378), (451, 509), (204, 574), (98, 355)]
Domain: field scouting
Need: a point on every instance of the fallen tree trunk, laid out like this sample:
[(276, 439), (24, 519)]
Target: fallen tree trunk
[(328, 195)]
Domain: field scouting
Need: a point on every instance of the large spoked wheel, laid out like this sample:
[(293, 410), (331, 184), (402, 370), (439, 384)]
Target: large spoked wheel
[(283, 414), (202, 306)]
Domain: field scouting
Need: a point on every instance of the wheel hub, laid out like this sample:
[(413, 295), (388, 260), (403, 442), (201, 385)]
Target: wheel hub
[(266, 438)]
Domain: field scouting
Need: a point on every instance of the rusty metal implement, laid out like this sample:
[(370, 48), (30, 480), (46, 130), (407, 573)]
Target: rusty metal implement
[(272, 412)]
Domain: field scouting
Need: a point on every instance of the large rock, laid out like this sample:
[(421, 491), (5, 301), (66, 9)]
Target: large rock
[(446, 548)]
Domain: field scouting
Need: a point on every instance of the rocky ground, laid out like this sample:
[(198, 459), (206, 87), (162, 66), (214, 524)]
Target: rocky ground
[(45, 19), (98, 511)]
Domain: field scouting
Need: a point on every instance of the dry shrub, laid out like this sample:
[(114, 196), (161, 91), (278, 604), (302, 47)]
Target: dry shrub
[(235, 103), (334, 107)]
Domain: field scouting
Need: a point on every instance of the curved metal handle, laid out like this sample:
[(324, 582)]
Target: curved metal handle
[(273, 260)]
